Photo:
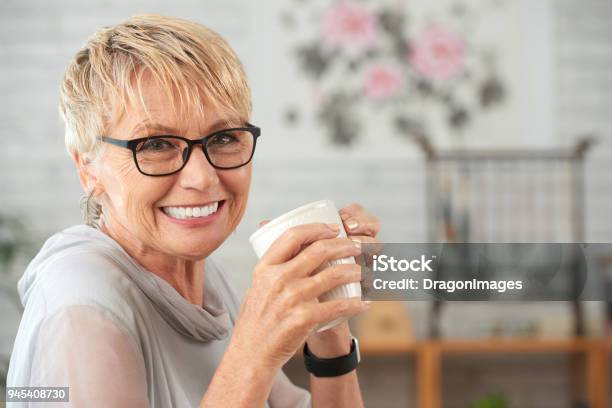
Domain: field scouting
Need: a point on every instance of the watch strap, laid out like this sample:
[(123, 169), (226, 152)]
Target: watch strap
[(332, 367)]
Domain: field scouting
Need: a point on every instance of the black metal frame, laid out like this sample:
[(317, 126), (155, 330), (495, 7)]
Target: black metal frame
[(133, 143), (575, 156)]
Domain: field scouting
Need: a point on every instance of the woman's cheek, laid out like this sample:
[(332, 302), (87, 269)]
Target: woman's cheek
[(116, 175), (239, 186)]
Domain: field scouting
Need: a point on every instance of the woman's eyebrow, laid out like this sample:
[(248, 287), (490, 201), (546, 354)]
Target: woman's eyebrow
[(223, 124), (146, 125)]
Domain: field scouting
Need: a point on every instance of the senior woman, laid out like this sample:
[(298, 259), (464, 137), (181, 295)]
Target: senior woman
[(129, 310)]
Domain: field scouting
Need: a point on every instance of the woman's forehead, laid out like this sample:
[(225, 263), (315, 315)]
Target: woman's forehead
[(155, 110)]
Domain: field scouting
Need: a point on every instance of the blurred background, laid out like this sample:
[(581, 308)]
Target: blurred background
[(453, 120)]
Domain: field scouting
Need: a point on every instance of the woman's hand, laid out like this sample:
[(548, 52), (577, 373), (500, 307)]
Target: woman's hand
[(280, 308), (359, 224), (361, 227)]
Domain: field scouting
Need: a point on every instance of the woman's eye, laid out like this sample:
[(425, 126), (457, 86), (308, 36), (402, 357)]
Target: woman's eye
[(223, 139), (156, 145)]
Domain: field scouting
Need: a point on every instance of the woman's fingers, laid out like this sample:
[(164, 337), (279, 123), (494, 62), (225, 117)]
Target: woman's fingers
[(369, 246), (357, 221), (320, 252), (312, 287), (351, 210), (295, 238), (362, 225)]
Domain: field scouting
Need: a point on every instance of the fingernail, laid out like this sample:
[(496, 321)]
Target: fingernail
[(334, 227), (344, 216), (366, 303), (357, 243), (352, 224)]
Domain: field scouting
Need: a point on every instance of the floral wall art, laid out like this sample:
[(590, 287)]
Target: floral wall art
[(389, 61)]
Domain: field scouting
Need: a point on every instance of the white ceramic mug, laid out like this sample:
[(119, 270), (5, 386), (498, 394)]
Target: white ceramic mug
[(320, 211)]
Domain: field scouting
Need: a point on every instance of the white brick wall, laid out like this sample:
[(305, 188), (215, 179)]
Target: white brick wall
[(583, 89)]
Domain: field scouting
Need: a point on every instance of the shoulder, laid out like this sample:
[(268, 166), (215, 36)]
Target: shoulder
[(86, 273), (80, 270)]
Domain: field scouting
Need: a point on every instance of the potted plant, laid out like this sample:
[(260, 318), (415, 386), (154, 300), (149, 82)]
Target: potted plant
[(495, 400), (14, 246)]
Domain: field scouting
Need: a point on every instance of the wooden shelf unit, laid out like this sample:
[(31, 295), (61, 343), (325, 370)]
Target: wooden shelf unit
[(590, 362)]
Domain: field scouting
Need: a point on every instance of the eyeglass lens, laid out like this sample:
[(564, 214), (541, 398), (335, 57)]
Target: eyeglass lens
[(166, 154)]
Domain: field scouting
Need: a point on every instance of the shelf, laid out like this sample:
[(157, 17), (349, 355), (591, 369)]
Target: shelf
[(521, 345), (382, 347), (592, 354), (487, 345)]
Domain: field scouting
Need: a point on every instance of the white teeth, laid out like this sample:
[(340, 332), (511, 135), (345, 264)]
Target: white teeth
[(191, 212)]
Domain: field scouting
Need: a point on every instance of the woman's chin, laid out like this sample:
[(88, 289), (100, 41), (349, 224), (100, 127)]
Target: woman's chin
[(191, 254), (192, 246)]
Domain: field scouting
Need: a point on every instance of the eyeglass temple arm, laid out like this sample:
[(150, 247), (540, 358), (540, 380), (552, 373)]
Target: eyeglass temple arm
[(116, 142), (255, 128)]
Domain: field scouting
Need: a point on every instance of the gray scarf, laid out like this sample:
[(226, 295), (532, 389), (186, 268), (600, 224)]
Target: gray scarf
[(211, 321)]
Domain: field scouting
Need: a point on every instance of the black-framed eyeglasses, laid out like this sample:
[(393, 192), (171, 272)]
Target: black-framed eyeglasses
[(164, 155)]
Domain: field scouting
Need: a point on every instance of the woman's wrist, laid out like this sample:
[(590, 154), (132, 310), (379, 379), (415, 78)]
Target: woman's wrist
[(244, 352), (331, 343), (243, 379)]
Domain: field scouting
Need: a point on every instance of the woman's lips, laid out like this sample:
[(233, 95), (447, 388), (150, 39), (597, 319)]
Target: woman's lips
[(189, 211), (193, 215)]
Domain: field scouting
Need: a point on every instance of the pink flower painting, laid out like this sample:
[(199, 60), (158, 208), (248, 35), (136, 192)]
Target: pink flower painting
[(383, 82), (350, 28), (386, 58), (437, 53)]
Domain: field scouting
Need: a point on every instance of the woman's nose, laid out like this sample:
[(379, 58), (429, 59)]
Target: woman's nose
[(198, 173)]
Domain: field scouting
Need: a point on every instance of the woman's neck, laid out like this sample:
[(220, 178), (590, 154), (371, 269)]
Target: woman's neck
[(185, 276)]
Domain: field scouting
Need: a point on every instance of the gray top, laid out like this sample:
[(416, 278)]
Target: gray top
[(118, 335)]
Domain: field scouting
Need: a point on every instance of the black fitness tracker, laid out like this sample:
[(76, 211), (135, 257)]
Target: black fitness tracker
[(332, 367)]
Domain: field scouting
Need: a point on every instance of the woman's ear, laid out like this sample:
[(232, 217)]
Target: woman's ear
[(87, 175)]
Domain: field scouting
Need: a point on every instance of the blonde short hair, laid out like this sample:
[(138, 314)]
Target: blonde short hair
[(195, 66)]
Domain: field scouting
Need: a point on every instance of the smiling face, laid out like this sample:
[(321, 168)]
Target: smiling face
[(147, 214)]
